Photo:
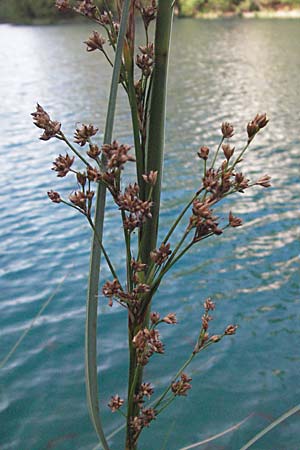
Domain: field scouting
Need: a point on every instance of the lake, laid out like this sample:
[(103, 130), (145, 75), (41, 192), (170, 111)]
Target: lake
[(219, 70)]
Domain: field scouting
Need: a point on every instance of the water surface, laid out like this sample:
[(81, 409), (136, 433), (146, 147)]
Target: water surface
[(220, 70)]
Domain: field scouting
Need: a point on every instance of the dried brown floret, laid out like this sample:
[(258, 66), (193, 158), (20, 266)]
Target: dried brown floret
[(227, 130), (203, 152), (111, 288), (41, 119), (115, 403), (83, 134), (264, 181), (182, 386), (231, 329), (151, 177), (62, 165), (228, 151), (54, 196), (234, 221), (160, 255), (170, 319), (95, 42), (79, 198)]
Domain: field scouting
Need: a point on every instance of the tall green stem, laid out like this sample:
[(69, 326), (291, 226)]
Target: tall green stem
[(154, 161), (92, 295), (157, 113)]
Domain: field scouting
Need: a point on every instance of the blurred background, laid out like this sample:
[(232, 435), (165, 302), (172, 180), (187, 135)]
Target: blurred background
[(223, 69), (42, 11)]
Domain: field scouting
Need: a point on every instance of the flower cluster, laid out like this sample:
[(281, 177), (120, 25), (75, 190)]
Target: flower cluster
[(182, 386), (139, 210), (83, 134), (115, 403), (144, 61), (146, 343), (42, 120), (161, 254), (148, 13), (137, 423), (95, 42)]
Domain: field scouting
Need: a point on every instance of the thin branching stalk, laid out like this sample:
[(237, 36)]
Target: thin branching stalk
[(92, 295)]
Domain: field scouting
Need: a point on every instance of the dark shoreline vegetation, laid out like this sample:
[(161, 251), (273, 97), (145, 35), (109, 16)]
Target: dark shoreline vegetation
[(44, 12)]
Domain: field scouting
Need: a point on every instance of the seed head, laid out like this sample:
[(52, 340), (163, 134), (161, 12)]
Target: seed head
[(228, 151), (203, 152), (111, 288), (154, 317), (264, 181), (253, 127), (79, 198), (62, 165), (82, 135), (62, 5), (234, 221), (231, 329), (181, 387), (227, 130), (95, 42), (54, 196), (170, 319), (94, 151), (151, 177), (159, 256), (146, 390), (115, 403), (209, 305), (41, 119)]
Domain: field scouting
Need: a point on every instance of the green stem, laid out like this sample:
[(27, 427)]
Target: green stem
[(187, 362), (238, 159), (140, 157), (170, 232), (93, 282), (156, 122), (65, 139), (109, 263), (217, 152)]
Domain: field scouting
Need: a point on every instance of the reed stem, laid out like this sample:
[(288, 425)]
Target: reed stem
[(92, 389)]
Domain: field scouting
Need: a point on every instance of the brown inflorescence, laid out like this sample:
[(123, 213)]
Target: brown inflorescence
[(42, 120), (116, 155), (151, 177), (182, 386), (139, 210), (227, 130), (264, 181), (203, 152), (62, 5), (54, 196), (253, 127), (115, 403), (146, 343), (148, 12), (170, 319), (83, 134), (234, 221), (62, 165), (160, 255), (94, 151), (95, 42), (228, 151), (230, 329), (88, 9), (145, 60)]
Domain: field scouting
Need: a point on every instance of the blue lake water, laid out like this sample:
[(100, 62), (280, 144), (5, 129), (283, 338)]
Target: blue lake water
[(220, 70)]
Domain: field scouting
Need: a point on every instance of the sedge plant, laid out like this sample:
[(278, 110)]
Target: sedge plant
[(140, 69)]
